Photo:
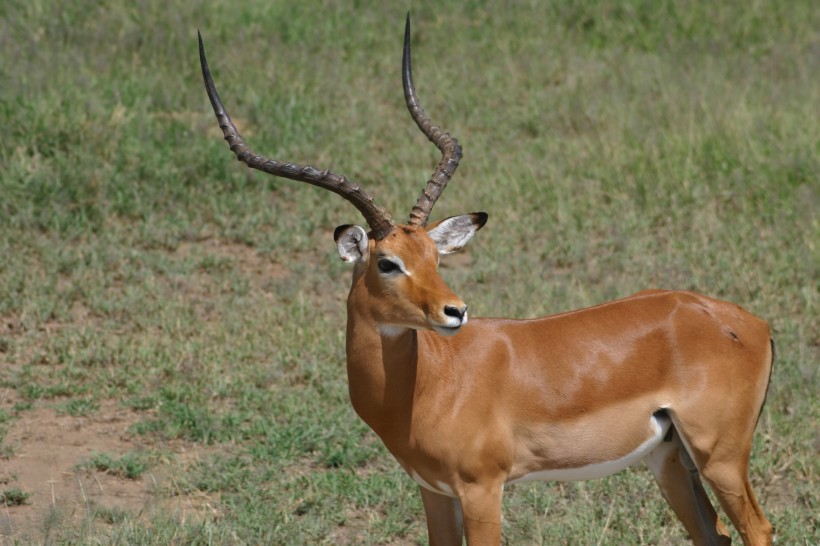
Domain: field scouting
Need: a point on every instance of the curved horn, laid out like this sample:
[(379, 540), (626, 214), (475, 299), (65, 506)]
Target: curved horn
[(450, 150), (377, 218)]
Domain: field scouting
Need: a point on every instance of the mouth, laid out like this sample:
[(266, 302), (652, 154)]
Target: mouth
[(447, 330), (450, 329)]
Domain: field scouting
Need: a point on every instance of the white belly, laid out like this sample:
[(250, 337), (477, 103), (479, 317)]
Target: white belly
[(660, 425)]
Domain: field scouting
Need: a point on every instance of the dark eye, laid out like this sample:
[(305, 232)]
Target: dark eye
[(386, 266)]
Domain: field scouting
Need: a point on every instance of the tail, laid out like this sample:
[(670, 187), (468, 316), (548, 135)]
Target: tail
[(769, 381)]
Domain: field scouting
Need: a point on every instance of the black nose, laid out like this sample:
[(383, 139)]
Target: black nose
[(455, 312)]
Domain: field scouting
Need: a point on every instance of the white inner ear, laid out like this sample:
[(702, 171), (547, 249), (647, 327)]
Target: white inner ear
[(352, 244), (451, 234)]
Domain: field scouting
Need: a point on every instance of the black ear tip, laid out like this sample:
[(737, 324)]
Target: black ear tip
[(339, 230), (481, 218)]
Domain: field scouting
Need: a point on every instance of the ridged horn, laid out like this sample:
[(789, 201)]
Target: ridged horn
[(377, 218), (449, 147)]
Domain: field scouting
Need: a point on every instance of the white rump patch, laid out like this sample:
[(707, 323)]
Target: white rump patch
[(660, 424)]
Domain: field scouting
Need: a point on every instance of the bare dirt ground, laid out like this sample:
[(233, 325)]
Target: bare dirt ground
[(49, 449)]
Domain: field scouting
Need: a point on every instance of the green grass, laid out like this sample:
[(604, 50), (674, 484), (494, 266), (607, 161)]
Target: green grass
[(130, 466), (617, 145), (14, 497)]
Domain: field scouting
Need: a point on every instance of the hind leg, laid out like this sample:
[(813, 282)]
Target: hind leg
[(723, 461), (678, 479), (731, 486)]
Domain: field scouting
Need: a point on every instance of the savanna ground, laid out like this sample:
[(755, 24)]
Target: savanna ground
[(171, 324)]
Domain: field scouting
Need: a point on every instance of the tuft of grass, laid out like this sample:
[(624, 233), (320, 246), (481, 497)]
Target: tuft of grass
[(14, 497), (131, 465), (111, 515), (7, 451), (78, 407)]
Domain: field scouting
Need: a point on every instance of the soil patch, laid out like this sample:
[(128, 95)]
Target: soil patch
[(48, 450)]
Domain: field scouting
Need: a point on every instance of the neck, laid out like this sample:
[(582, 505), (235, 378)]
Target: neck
[(381, 367)]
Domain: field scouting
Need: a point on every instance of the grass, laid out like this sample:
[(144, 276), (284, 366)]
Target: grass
[(130, 465), (616, 145), (14, 497)]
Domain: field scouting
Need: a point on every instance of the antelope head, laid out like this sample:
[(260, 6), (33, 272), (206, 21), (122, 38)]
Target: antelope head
[(398, 263)]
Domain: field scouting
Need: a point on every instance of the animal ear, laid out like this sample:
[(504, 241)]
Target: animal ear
[(351, 242), (451, 234)]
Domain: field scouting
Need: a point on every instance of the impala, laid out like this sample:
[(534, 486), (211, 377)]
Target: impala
[(674, 379)]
